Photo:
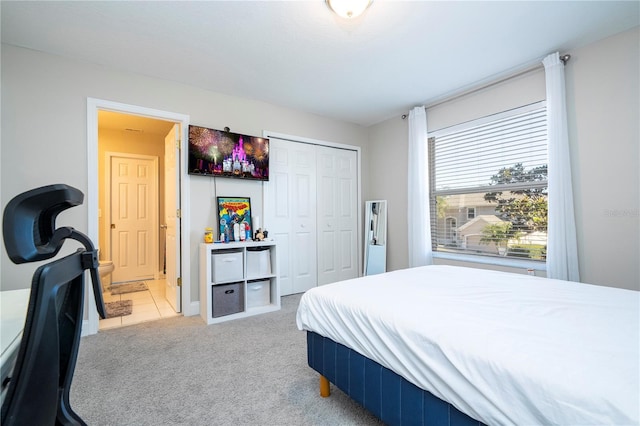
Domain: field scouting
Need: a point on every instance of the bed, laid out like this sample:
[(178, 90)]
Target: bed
[(452, 345)]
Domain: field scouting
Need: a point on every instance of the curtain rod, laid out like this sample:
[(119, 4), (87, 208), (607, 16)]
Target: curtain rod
[(476, 87)]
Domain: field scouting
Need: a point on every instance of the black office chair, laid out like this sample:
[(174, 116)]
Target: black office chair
[(38, 391)]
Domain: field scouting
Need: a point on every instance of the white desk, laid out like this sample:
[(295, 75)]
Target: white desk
[(13, 311)]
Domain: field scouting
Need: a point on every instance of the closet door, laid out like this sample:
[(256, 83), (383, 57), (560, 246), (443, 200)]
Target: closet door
[(337, 215), (291, 213)]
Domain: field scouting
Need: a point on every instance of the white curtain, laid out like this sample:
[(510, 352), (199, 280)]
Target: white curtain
[(418, 217), (562, 248)]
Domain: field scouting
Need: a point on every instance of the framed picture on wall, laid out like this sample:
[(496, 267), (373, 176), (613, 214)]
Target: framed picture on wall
[(231, 211)]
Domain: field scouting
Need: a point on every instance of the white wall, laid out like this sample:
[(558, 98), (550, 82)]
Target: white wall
[(387, 161), (44, 110), (512, 93), (603, 114), (604, 127)]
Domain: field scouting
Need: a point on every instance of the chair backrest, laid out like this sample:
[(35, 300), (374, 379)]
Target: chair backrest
[(49, 346), (28, 226), (38, 391)]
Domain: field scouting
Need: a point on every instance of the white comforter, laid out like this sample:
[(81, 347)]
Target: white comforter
[(503, 348)]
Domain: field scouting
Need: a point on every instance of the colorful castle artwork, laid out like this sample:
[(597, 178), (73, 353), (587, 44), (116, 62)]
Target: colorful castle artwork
[(237, 162), (226, 154)]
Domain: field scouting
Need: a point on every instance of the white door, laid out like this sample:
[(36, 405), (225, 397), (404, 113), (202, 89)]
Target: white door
[(337, 215), (291, 210), (172, 220), (134, 217)]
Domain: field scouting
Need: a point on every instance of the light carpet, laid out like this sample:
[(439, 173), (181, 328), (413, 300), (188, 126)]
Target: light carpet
[(179, 371)]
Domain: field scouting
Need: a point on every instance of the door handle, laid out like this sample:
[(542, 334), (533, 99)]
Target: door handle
[(163, 226), (113, 226)]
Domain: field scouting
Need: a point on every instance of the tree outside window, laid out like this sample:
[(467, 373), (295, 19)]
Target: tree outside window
[(489, 178)]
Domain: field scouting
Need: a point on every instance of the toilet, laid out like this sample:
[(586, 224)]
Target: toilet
[(105, 268)]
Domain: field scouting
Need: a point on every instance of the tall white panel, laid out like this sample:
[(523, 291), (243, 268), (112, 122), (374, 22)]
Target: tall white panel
[(337, 225), (284, 250), (303, 207), (291, 213), (311, 211)]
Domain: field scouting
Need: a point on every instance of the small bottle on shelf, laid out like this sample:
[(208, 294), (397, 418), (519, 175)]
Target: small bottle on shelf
[(208, 235), (243, 233), (236, 232)]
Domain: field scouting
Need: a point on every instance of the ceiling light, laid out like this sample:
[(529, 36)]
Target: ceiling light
[(349, 9)]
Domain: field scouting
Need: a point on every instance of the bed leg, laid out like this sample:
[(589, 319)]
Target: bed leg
[(324, 387)]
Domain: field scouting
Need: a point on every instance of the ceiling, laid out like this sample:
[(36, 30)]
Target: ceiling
[(297, 54)]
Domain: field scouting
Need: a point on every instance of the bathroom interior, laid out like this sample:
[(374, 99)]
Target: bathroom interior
[(133, 135)]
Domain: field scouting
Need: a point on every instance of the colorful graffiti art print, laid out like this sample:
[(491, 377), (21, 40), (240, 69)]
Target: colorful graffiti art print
[(232, 211)]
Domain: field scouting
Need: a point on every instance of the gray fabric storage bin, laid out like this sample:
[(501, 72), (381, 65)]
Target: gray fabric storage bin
[(227, 299)]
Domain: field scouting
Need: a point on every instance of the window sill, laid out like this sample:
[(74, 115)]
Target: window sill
[(497, 261)]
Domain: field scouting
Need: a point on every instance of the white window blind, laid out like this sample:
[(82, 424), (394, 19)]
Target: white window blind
[(497, 166)]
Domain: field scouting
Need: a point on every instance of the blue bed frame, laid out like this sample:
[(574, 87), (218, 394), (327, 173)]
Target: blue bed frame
[(381, 391)]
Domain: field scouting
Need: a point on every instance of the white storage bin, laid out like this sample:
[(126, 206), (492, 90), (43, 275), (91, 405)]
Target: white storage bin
[(227, 266), (258, 262), (258, 293)]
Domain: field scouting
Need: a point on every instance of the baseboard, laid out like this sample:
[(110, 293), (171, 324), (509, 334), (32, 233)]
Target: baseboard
[(192, 309), (85, 329)]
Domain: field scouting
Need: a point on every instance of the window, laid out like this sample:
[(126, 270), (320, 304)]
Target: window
[(488, 181), (471, 212)]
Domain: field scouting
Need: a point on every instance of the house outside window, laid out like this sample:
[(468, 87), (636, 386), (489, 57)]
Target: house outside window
[(488, 182), (451, 230)]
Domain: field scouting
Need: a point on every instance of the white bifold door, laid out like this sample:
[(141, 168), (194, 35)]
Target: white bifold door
[(311, 211), (337, 214), (290, 213)]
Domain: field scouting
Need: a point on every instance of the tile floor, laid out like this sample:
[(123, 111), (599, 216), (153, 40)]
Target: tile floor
[(148, 305)]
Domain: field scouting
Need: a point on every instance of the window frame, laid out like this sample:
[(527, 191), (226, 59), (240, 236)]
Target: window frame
[(433, 194), (471, 212)]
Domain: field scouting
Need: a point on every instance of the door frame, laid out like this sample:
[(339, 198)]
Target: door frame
[(108, 156), (357, 149), (91, 321)]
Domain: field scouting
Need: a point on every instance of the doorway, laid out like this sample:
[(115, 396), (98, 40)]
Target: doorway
[(132, 216), (145, 133)]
